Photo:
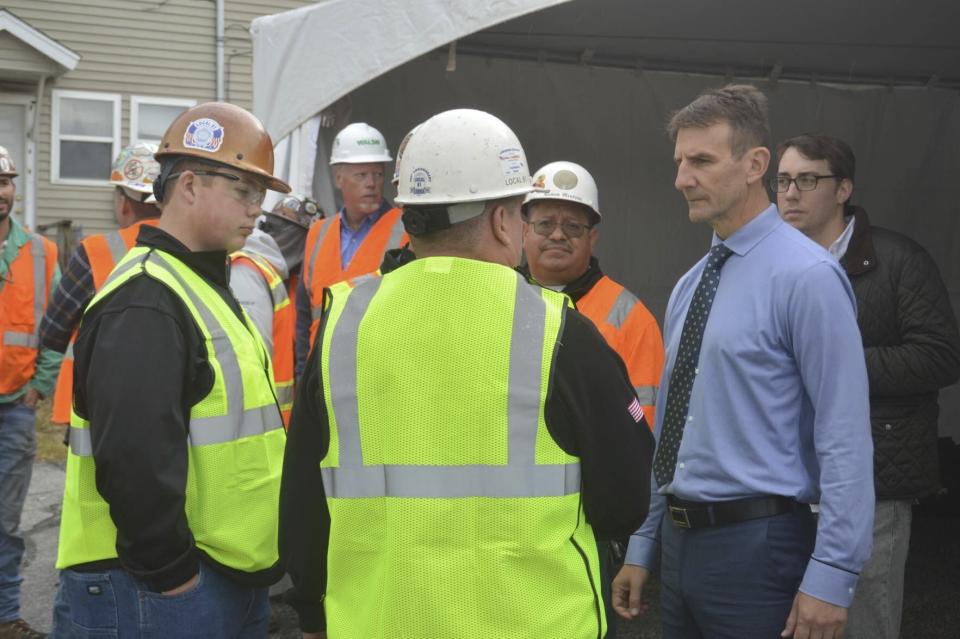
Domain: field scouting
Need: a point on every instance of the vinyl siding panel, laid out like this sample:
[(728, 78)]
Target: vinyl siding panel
[(147, 48)]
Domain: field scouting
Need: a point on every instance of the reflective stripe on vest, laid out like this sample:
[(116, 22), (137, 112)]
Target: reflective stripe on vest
[(620, 309), (521, 477), (13, 338), (315, 250), (283, 323), (118, 248)]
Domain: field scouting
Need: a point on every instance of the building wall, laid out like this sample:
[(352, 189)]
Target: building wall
[(157, 48)]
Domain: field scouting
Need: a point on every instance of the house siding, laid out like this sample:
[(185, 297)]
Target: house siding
[(149, 48)]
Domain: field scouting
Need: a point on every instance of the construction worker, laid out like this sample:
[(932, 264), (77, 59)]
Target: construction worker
[(353, 242), (288, 224), (433, 487), (132, 175), (562, 216), (176, 440), (28, 274)]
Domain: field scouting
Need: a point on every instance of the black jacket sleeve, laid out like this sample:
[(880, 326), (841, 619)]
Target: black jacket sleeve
[(588, 414), (304, 518), (928, 355), (135, 384)]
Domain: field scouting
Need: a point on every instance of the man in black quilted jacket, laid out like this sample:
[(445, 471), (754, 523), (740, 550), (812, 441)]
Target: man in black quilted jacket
[(912, 348)]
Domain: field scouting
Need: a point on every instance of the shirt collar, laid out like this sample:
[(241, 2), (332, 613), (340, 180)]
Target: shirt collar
[(750, 234), (212, 265), (368, 221), (839, 247)]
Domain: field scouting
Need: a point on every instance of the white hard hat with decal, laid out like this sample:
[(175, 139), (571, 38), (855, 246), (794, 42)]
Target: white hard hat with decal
[(565, 181), (135, 170), (359, 143), (463, 158)]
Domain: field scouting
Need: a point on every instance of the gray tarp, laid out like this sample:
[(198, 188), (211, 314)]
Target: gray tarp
[(612, 122)]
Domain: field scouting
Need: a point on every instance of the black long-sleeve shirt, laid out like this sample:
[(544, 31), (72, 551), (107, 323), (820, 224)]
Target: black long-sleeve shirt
[(141, 365), (586, 414)]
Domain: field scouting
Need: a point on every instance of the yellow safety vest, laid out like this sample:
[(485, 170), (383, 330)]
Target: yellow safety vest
[(235, 435), (453, 511)]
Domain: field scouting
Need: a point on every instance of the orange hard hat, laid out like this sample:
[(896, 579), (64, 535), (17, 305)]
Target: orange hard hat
[(223, 133)]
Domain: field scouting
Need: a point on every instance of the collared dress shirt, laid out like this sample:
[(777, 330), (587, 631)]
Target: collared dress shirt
[(350, 240), (780, 402)]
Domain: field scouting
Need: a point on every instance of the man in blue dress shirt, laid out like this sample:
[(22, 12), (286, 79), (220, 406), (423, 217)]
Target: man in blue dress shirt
[(766, 412)]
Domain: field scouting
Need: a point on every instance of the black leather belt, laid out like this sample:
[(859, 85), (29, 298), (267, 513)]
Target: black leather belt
[(701, 514)]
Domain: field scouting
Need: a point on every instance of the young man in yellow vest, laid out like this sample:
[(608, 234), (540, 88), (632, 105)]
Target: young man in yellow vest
[(446, 480), (562, 216), (132, 175), (28, 274), (169, 517), (353, 242)]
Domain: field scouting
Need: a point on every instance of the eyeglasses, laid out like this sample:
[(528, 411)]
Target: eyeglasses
[(569, 228), (806, 182), (245, 191)]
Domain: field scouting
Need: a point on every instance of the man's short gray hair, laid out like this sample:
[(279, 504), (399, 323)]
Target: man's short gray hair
[(742, 106)]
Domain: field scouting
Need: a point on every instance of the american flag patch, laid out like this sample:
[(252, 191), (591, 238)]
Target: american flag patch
[(635, 410)]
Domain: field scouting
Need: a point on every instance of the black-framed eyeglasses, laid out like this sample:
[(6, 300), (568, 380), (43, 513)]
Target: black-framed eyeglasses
[(246, 192), (805, 182), (570, 228)]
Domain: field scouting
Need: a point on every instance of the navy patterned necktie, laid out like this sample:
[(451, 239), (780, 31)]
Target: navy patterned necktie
[(685, 366)]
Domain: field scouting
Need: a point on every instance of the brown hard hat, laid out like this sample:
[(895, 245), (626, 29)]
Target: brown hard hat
[(224, 133), (7, 167)]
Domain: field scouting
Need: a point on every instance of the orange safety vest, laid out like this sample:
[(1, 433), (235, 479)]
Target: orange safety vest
[(103, 253), (630, 330), (284, 320), (321, 264), (24, 294)]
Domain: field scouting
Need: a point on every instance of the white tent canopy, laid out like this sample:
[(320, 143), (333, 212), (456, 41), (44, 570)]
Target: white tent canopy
[(306, 59), (593, 81)]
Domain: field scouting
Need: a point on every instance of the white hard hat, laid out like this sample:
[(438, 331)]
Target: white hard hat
[(403, 145), (359, 143), (463, 158), (135, 170), (565, 181)]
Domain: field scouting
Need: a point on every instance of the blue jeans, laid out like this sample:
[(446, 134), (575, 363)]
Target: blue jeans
[(736, 581), (113, 603), (18, 447)]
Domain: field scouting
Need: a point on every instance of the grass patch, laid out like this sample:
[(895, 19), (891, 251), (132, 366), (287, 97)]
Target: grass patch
[(50, 446)]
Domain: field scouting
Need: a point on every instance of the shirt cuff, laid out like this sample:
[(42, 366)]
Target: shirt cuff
[(642, 551), (827, 583)]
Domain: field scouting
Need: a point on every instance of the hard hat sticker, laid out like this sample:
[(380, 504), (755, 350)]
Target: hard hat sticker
[(133, 169), (512, 161), (540, 182), (420, 180), (203, 135), (5, 164), (565, 179)]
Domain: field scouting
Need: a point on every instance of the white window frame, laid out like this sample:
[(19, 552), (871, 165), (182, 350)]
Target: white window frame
[(137, 100), (56, 137)]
